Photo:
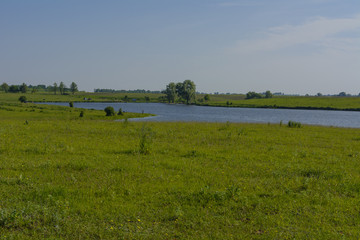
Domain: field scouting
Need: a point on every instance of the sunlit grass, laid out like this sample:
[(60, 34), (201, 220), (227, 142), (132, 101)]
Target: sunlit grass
[(62, 176)]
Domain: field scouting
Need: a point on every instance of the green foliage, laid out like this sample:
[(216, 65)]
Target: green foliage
[(170, 92), (14, 89), (82, 113), (62, 88), (185, 91), (73, 88), (22, 99), (251, 95), (120, 112), (109, 111), (55, 88), (23, 88), (268, 94), (5, 87), (71, 104), (207, 97), (293, 124), (188, 91)]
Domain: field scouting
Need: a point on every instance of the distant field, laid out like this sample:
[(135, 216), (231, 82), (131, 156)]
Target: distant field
[(231, 100), (62, 176), (80, 97), (329, 103)]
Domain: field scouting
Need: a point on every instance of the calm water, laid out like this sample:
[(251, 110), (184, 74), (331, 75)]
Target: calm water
[(168, 112)]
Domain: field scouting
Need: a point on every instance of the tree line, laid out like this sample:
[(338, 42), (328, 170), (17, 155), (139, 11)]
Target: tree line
[(180, 92), (23, 88), (104, 90)]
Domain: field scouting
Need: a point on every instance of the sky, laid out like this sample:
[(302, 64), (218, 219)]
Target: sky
[(236, 46)]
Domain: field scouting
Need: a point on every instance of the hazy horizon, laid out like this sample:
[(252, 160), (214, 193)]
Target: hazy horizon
[(295, 47)]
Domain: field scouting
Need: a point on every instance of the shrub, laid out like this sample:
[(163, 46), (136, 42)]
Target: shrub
[(22, 99), (293, 124), (71, 104), (251, 95), (82, 114), (120, 112), (109, 111)]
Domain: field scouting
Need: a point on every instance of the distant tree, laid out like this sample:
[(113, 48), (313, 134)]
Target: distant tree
[(5, 87), (126, 98), (342, 94), (120, 112), (319, 94), (73, 87), (147, 99), (251, 95), (14, 89), (23, 88), (268, 94), (188, 91), (109, 111), (34, 89), (170, 92), (179, 89), (55, 87), (62, 88), (22, 99)]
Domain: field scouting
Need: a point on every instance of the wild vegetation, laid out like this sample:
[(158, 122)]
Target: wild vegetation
[(71, 177)]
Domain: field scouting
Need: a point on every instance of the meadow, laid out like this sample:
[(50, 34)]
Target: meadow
[(288, 102), (217, 100), (68, 177)]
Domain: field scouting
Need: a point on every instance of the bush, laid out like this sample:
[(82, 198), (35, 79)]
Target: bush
[(109, 111), (251, 95), (120, 112), (22, 99), (293, 124), (71, 104), (82, 114)]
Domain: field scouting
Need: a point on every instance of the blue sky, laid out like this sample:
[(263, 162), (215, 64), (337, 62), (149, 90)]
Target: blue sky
[(291, 46)]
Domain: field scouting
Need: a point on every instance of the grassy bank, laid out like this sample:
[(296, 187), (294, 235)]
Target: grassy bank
[(289, 102), (62, 176), (81, 97), (220, 100)]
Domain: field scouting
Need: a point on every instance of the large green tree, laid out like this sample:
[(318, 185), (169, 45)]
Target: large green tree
[(188, 91), (170, 92), (73, 87), (55, 87), (62, 88), (23, 88), (5, 87)]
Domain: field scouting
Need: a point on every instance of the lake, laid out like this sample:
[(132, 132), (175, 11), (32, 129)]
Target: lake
[(180, 112)]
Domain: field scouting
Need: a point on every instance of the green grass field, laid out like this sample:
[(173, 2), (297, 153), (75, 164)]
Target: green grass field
[(231, 100), (293, 102), (66, 177)]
